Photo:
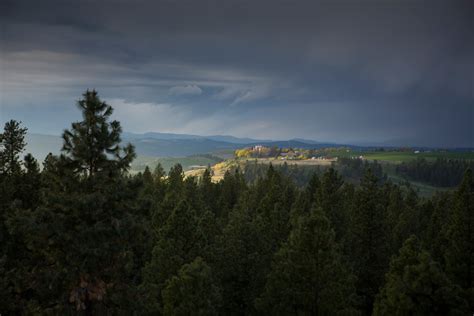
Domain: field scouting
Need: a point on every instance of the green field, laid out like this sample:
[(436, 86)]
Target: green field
[(140, 163), (400, 156)]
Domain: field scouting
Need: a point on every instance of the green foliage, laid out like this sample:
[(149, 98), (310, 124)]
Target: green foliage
[(416, 285), (308, 276), (238, 262), (299, 174), (355, 168), (459, 255), (29, 187), (411, 220), (436, 237), (441, 173), (79, 236), (328, 197), (83, 236), (192, 291), (141, 162), (12, 144), (409, 155), (243, 153), (182, 238), (256, 227), (91, 141), (369, 244), (230, 188), (17, 191)]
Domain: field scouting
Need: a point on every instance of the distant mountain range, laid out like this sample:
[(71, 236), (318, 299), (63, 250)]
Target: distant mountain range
[(40, 145), (171, 145), (180, 145), (170, 136)]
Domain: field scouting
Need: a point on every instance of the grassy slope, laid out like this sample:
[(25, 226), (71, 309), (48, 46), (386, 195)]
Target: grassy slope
[(389, 168), (393, 158), (398, 157), (388, 158), (423, 189)]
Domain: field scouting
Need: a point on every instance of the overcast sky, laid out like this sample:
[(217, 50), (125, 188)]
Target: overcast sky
[(342, 71)]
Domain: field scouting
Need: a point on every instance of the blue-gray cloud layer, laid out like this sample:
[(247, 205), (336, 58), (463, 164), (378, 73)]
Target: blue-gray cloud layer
[(346, 71)]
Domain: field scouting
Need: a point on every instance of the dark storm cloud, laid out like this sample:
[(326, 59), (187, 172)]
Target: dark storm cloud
[(335, 70)]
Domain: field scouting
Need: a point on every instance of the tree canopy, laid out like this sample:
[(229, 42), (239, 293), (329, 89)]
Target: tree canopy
[(81, 235)]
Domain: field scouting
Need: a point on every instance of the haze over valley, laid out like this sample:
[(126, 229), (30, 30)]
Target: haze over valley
[(237, 157)]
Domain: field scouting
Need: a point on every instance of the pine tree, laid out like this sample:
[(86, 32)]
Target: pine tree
[(13, 199), (83, 234), (308, 276), (30, 183), (159, 182), (239, 262), (208, 192), (171, 188), (313, 187), (231, 188), (273, 199), (436, 234), (192, 291), (459, 256), (409, 220), (179, 241), (301, 207), (416, 285), (368, 240), (329, 199), (152, 193), (175, 178), (272, 204), (12, 144), (90, 142), (305, 200), (395, 207)]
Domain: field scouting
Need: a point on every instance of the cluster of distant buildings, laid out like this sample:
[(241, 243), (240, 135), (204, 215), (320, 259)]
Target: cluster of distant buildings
[(285, 153)]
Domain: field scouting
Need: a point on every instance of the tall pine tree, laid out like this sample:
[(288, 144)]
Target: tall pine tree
[(192, 291), (416, 285), (12, 144), (459, 256), (308, 276), (83, 233), (369, 249), (92, 142)]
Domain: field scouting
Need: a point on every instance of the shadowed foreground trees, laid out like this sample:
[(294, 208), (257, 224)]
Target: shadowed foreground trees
[(415, 284), (459, 255), (308, 275), (192, 291), (83, 236)]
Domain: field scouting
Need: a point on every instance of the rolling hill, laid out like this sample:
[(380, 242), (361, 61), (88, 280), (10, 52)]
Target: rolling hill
[(169, 145), (171, 136)]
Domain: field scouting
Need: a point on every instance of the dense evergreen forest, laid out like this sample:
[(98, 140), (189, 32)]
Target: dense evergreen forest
[(83, 236), (440, 173)]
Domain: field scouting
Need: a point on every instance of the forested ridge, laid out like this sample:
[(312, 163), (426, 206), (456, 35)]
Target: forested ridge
[(83, 236), (441, 173)]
